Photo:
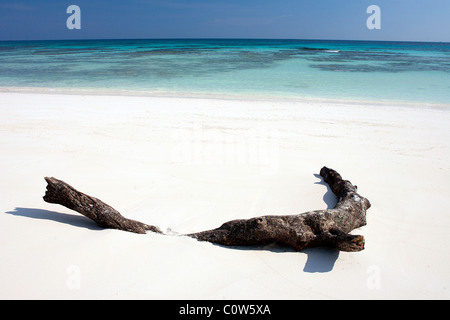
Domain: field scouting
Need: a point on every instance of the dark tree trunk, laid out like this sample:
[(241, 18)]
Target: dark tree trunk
[(320, 228)]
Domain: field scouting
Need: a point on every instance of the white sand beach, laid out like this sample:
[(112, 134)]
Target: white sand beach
[(190, 164)]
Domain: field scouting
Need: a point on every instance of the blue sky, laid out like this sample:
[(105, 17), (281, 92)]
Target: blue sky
[(407, 20)]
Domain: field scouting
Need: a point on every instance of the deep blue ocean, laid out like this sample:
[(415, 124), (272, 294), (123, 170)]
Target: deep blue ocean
[(290, 69)]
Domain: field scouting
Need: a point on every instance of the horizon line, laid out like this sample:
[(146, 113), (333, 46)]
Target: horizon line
[(220, 38)]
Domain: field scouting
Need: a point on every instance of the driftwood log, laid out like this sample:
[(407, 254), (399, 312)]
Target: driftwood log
[(104, 215), (320, 228)]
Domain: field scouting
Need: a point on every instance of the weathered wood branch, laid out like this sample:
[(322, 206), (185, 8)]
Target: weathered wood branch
[(104, 215), (320, 228)]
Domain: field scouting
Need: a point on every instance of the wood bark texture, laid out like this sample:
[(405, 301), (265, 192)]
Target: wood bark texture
[(319, 228), (104, 215)]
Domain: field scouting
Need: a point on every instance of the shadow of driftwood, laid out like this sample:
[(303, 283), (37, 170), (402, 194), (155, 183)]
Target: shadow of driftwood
[(329, 197), (74, 220), (320, 259)]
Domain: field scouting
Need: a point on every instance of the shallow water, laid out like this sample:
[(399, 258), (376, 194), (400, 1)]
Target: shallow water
[(350, 70)]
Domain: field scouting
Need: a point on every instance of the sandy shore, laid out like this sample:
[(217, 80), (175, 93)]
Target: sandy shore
[(187, 165)]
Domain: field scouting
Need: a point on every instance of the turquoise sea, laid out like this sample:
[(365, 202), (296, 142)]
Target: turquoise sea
[(291, 69)]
